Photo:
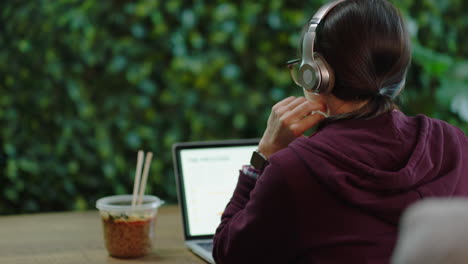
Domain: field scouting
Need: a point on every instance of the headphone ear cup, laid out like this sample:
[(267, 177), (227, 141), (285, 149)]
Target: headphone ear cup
[(325, 73), (308, 76)]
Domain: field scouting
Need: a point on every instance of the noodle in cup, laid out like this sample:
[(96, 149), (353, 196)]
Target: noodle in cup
[(128, 230)]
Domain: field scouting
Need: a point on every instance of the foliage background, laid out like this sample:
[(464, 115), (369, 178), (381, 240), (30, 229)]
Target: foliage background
[(84, 84)]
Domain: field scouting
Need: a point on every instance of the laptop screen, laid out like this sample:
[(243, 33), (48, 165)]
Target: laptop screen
[(207, 175)]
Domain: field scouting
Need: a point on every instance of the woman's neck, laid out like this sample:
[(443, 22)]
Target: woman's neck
[(337, 106)]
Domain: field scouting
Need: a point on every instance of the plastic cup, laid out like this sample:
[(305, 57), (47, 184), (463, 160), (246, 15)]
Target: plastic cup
[(128, 231)]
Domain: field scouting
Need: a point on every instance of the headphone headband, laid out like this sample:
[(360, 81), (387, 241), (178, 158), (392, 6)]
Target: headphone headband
[(321, 13), (315, 74)]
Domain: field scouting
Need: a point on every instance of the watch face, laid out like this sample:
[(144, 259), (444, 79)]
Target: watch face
[(258, 161)]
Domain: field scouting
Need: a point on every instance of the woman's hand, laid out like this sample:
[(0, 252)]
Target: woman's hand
[(289, 119)]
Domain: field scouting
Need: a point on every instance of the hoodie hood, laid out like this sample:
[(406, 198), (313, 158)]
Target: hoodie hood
[(384, 164)]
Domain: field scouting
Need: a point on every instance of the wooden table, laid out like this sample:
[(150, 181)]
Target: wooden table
[(76, 237)]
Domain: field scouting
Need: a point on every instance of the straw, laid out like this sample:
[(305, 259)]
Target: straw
[(149, 156), (137, 177)]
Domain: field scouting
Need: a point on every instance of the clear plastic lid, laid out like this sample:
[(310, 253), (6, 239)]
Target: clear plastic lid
[(118, 203)]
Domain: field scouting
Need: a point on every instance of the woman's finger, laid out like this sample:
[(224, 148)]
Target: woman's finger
[(296, 102), (298, 128), (283, 102), (280, 111), (301, 111)]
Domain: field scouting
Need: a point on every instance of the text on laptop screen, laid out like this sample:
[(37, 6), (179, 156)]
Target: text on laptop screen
[(210, 176)]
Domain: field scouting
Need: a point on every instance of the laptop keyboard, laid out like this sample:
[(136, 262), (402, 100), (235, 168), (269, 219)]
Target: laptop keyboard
[(206, 245)]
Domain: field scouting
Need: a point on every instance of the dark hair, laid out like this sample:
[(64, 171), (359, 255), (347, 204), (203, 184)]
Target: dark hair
[(367, 45)]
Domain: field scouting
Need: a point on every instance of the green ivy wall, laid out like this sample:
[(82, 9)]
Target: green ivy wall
[(85, 84)]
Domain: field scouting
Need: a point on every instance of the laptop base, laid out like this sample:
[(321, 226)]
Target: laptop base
[(204, 253)]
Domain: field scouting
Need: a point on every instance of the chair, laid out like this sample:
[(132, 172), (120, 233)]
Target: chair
[(433, 231)]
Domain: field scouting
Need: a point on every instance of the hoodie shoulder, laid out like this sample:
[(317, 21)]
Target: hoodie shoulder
[(384, 164), (442, 128)]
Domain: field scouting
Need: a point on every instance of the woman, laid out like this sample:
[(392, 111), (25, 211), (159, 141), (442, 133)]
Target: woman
[(337, 196)]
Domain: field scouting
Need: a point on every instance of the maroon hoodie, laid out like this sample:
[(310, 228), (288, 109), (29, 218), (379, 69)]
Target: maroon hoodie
[(337, 196)]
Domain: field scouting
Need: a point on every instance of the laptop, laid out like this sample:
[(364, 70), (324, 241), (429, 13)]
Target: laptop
[(206, 175)]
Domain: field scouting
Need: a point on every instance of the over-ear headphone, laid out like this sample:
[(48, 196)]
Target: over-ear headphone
[(315, 75)]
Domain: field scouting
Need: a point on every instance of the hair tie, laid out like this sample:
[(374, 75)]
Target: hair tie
[(392, 90)]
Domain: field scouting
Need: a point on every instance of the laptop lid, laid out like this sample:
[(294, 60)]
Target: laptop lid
[(206, 175)]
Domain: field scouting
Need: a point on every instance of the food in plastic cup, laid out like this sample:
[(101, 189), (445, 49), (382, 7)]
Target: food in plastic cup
[(128, 231)]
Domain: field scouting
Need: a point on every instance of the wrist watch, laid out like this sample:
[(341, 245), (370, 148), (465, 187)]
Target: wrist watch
[(258, 160)]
